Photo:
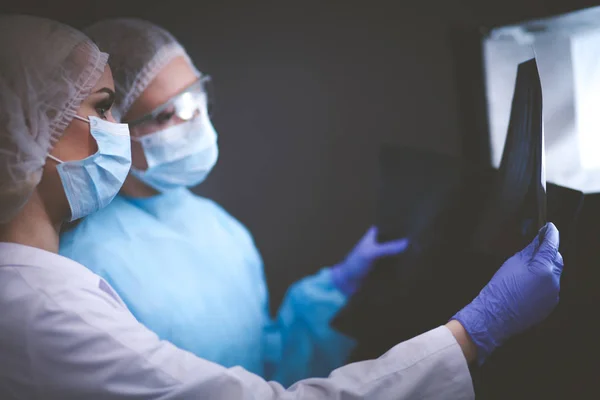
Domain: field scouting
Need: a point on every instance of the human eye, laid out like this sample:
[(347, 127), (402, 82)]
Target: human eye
[(165, 116), (103, 107)]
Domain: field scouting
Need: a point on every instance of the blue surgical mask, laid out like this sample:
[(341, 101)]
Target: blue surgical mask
[(91, 184), (179, 156)]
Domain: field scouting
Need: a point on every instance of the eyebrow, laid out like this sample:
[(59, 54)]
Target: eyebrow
[(106, 90)]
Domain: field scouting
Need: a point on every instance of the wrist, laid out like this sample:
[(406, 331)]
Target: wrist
[(482, 326), (341, 281), (467, 345)]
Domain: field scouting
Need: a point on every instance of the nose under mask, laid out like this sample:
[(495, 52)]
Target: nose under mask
[(91, 184), (179, 156)]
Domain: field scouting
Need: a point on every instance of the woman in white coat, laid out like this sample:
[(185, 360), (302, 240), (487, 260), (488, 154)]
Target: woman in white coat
[(65, 334)]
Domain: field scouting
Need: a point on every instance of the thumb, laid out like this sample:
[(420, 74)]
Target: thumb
[(370, 235), (549, 240), (558, 264), (545, 254), (532, 248), (392, 247)]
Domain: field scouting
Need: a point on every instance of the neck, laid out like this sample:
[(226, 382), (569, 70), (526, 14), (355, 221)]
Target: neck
[(32, 226), (135, 188)]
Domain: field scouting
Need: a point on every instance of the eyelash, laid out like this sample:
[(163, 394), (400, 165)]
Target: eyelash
[(103, 108), (165, 117)]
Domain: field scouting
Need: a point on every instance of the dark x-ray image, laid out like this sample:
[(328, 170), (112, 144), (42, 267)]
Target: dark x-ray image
[(464, 221), (516, 208)]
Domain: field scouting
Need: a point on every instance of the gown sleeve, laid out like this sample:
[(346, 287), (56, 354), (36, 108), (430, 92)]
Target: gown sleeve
[(300, 342)]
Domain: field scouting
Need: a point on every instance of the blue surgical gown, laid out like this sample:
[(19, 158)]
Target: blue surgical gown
[(191, 272)]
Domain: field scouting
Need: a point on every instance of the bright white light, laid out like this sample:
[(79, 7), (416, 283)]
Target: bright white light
[(567, 49), (586, 68)]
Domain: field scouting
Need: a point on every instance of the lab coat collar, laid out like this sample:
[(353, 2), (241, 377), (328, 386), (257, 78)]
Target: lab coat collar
[(19, 255)]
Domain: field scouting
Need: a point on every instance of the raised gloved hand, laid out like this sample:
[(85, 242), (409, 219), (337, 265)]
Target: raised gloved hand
[(348, 274), (523, 292)]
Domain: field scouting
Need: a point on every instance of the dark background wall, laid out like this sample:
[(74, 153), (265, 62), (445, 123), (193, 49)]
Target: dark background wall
[(305, 94)]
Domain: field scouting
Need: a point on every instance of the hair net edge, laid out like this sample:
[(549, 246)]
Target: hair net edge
[(95, 70), (143, 79)]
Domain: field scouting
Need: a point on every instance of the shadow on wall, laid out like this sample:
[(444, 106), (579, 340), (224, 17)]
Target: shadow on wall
[(305, 94)]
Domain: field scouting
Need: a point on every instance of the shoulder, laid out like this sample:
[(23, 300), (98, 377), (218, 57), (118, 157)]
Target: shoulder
[(102, 236), (49, 278), (225, 219), (98, 225), (98, 257), (206, 203)]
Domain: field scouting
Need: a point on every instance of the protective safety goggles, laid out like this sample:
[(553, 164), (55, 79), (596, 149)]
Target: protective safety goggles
[(185, 105)]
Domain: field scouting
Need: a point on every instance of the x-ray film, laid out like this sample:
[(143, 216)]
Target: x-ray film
[(463, 222)]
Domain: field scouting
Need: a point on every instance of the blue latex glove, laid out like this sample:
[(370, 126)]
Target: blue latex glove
[(348, 275), (522, 293)]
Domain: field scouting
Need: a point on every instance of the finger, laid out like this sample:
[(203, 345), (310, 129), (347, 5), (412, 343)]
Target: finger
[(373, 231), (543, 259), (392, 248), (536, 244), (558, 264), (532, 248), (371, 234), (550, 240)]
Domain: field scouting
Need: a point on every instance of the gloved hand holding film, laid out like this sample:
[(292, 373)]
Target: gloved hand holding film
[(348, 275), (521, 294)]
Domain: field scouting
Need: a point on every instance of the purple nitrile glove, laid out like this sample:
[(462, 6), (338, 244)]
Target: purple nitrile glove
[(348, 275), (522, 293)]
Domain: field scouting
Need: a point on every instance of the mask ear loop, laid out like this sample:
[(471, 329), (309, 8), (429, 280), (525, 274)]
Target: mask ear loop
[(81, 118), (58, 160), (50, 156)]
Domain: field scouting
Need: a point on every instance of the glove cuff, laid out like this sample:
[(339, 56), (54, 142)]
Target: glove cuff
[(477, 326), (340, 280)]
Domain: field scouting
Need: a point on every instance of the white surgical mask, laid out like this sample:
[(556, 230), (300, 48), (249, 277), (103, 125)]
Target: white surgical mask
[(179, 156), (91, 184)]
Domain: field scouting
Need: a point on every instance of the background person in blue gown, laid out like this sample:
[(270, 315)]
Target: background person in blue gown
[(186, 268)]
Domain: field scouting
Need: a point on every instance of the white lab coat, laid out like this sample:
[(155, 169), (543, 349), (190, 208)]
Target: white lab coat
[(65, 334)]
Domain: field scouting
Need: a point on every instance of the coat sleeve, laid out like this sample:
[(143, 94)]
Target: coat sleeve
[(84, 344)]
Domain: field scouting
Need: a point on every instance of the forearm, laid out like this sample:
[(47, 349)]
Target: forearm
[(312, 348), (463, 339)]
